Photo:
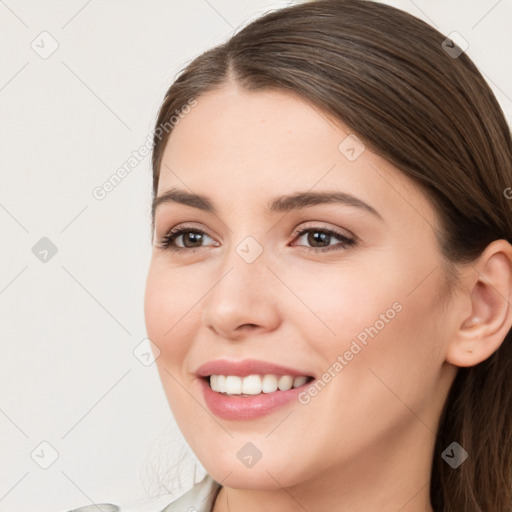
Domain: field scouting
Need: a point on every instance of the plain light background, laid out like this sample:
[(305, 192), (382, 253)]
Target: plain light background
[(77, 393)]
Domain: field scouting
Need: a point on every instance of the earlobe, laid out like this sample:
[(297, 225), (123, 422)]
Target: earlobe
[(482, 332)]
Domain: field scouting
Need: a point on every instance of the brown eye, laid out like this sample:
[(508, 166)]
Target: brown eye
[(191, 239), (320, 238)]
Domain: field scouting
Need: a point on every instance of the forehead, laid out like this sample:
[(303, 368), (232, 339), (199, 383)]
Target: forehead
[(244, 146), (264, 126)]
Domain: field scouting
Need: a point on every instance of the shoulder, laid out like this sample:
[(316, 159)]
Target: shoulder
[(98, 507), (199, 498)]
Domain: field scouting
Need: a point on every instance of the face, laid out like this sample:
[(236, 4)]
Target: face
[(345, 292)]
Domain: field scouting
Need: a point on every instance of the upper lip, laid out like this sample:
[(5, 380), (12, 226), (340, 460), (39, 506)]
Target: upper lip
[(246, 367)]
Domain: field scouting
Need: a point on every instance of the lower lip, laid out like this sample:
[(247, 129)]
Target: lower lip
[(232, 407)]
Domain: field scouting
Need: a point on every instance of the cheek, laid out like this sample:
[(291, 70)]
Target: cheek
[(375, 320), (163, 308), (154, 307), (381, 363), (165, 312), (339, 303), (401, 359)]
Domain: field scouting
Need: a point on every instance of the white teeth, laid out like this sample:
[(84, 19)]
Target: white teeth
[(269, 384), (298, 381), (233, 385), (254, 384), (285, 383), (251, 385), (213, 382)]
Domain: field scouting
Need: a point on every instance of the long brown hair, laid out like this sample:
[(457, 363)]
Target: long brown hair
[(389, 77)]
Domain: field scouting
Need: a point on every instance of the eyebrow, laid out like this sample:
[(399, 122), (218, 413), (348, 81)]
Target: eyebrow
[(280, 204)]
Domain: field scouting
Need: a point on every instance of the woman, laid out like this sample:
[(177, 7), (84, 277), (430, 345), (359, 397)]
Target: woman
[(330, 282)]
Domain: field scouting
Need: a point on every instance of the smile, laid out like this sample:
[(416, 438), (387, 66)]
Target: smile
[(244, 407)]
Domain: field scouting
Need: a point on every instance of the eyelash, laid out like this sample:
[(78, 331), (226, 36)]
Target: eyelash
[(168, 240)]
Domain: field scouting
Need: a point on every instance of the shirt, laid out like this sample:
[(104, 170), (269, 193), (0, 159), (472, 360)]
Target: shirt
[(198, 499)]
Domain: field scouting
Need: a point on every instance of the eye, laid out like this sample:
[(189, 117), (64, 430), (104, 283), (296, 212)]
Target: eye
[(320, 238), (191, 242)]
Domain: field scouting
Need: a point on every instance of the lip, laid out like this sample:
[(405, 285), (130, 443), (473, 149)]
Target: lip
[(247, 367), (231, 407)]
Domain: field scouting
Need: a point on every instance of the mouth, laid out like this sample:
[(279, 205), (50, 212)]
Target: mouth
[(250, 397), (255, 384)]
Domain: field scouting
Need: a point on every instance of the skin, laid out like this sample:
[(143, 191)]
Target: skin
[(365, 442)]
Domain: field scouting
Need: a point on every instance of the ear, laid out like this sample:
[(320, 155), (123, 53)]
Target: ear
[(489, 289)]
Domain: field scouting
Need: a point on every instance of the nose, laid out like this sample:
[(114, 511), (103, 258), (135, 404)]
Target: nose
[(243, 300)]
